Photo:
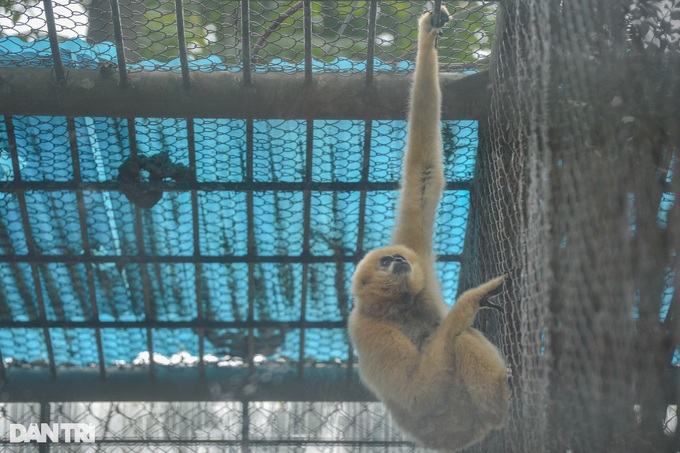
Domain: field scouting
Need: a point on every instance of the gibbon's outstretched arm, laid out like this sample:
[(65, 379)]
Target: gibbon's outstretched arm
[(423, 176)]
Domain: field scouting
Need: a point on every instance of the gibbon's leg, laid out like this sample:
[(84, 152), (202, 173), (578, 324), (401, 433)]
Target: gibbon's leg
[(485, 380), (448, 341), (465, 309), (423, 176)]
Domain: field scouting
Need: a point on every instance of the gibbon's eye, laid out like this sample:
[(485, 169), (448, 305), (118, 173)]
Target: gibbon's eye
[(385, 261), (399, 257)]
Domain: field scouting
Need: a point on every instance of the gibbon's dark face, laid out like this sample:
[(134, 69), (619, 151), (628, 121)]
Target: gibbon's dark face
[(387, 273), (395, 264)]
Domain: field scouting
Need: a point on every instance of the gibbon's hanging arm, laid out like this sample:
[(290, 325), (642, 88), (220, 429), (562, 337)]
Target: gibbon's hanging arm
[(443, 381)]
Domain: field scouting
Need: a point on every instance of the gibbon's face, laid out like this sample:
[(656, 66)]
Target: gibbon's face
[(387, 273)]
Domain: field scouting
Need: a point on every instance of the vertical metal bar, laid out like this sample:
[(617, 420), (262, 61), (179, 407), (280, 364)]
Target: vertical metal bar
[(3, 371), (245, 40), (306, 234), (252, 247), (245, 427), (365, 167), (139, 233), (30, 243), (120, 45), (191, 145), (307, 5), (45, 417), (75, 158), (370, 50), (59, 70), (182, 43)]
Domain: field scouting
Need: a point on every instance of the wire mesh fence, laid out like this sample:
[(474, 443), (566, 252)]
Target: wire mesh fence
[(577, 166), (217, 36), (213, 426), (283, 252)]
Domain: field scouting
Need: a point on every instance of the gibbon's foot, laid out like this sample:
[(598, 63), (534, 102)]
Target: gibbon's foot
[(438, 23), (486, 303)]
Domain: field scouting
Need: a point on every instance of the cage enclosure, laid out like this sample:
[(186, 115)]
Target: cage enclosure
[(185, 188)]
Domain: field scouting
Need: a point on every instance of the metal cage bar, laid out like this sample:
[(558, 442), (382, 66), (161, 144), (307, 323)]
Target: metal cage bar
[(370, 45), (221, 94), (245, 186), (82, 219), (198, 267), (155, 324), (245, 427), (245, 42), (365, 167), (184, 384), (31, 246), (120, 44), (307, 202), (178, 259), (59, 70), (307, 6), (45, 417), (182, 44), (250, 208), (139, 233)]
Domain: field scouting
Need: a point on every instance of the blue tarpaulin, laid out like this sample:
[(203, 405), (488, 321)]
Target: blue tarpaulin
[(279, 156)]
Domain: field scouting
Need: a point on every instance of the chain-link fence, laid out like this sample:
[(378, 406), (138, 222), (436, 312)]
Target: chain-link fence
[(216, 35), (577, 175), (215, 426)]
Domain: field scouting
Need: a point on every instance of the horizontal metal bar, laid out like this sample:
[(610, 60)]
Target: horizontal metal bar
[(179, 442), (190, 259), (219, 94), (269, 382), (170, 186), (156, 324)]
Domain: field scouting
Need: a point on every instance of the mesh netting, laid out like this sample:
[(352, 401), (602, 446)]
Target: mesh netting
[(251, 244), (218, 426), (574, 198), (214, 33)]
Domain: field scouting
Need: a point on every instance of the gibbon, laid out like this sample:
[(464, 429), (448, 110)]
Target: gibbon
[(444, 383)]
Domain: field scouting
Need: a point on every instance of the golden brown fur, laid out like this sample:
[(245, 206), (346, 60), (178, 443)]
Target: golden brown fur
[(442, 380)]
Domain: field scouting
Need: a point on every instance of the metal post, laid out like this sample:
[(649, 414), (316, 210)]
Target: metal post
[(182, 44), (59, 70), (82, 214), (120, 45)]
